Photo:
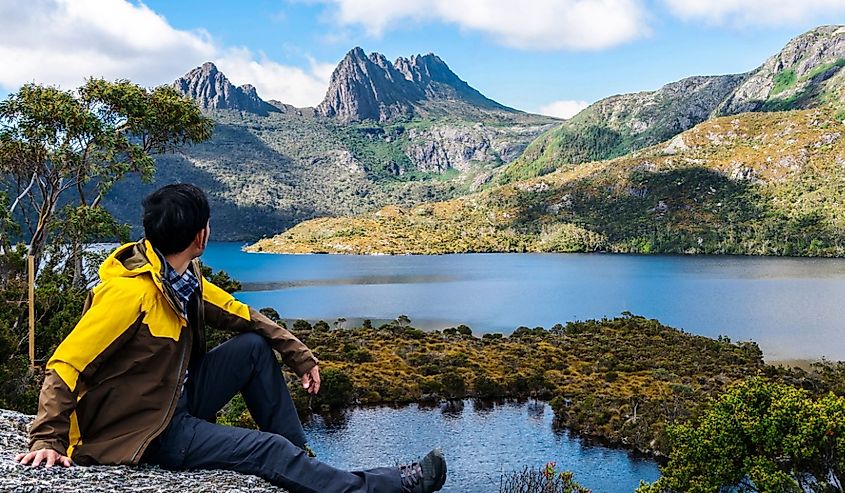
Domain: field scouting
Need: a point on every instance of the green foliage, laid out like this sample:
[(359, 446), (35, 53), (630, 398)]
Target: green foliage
[(336, 391), (785, 79), (83, 142), (235, 413), (379, 149), (623, 379), (565, 146), (759, 436), (823, 68), (222, 280), (755, 184)]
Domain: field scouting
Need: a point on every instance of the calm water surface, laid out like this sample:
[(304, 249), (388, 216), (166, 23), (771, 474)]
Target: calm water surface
[(480, 442), (794, 308)]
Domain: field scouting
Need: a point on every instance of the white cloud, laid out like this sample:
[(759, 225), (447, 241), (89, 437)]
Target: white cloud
[(563, 109), (755, 12), (540, 24), (272, 80), (62, 42)]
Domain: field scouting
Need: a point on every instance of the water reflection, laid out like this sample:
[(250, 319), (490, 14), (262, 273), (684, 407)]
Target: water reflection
[(452, 409)]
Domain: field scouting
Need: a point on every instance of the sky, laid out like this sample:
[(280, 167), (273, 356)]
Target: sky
[(544, 56)]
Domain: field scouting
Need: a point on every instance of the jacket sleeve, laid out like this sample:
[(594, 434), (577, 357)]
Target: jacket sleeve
[(224, 312), (96, 335)]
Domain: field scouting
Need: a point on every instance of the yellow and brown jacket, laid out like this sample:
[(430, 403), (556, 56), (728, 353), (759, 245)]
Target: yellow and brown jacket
[(111, 386)]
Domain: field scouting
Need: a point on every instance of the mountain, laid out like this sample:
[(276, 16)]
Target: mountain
[(765, 183), (371, 88), (270, 165), (808, 72), (211, 90)]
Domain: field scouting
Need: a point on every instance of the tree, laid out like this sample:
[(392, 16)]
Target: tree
[(759, 436), (55, 143)]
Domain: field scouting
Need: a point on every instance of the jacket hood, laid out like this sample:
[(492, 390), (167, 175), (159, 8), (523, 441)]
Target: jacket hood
[(135, 259), (131, 260)]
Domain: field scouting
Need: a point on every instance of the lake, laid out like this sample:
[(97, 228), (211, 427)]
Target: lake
[(792, 307), (481, 441)]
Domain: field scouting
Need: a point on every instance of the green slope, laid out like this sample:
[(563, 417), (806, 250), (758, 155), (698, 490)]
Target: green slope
[(756, 183)]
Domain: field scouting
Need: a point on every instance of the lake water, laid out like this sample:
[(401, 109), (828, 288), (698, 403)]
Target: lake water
[(481, 441), (794, 308)]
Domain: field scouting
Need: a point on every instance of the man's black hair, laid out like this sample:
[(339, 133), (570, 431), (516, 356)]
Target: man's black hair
[(173, 215)]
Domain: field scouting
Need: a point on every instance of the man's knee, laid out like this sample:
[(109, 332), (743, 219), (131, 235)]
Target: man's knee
[(252, 342)]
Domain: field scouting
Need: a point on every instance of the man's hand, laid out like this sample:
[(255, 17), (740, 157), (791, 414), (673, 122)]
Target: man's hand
[(311, 380), (46, 455)]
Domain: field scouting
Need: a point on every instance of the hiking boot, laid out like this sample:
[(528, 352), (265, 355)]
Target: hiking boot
[(425, 476)]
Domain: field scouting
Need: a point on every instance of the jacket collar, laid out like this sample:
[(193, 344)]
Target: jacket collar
[(139, 258)]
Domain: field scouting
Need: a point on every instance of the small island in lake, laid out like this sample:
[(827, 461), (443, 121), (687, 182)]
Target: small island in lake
[(621, 380)]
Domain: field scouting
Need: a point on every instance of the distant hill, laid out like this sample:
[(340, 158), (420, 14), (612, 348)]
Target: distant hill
[(766, 183), (419, 133), (806, 73)]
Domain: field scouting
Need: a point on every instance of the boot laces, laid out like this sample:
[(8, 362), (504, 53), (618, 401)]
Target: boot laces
[(411, 474)]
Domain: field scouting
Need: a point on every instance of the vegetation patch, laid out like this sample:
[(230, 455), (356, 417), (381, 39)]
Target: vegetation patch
[(783, 80), (623, 380)]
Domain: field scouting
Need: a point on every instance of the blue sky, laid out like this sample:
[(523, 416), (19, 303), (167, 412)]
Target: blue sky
[(528, 54)]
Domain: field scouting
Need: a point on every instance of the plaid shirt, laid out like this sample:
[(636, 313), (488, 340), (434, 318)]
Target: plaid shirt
[(184, 285)]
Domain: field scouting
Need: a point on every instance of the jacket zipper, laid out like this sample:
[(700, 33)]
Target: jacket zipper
[(170, 408), (179, 381)]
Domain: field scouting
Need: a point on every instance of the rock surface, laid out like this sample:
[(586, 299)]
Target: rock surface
[(443, 147), (806, 68), (372, 88), (102, 479), (212, 91)]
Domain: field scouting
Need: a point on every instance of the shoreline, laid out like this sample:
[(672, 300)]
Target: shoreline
[(606, 379), (249, 249)]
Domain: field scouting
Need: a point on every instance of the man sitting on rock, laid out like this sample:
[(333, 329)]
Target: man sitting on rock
[(132, 383)]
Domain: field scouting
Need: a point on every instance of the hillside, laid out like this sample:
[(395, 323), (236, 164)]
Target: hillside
[(806, 73), (270, 165), (767, 183)]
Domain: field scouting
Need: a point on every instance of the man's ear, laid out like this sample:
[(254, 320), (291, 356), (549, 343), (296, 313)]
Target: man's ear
[(199, 239)]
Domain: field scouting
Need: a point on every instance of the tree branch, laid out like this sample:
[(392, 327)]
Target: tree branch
[(19, 197)]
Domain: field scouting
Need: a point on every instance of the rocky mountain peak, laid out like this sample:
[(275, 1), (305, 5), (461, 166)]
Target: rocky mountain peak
[(367, 88), (212, 90), (371, 87)]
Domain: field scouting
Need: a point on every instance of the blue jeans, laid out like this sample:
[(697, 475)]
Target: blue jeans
[(192, 440)]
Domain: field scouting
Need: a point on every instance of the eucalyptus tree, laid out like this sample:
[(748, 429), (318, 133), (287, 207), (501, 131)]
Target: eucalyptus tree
[(61, 151)]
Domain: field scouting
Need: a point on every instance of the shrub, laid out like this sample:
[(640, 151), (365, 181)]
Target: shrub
[(542, 480)]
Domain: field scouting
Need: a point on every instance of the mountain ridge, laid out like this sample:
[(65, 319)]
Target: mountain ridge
[(270, 165), (762, 183), (210, 89), (806, 73), (370, 87)]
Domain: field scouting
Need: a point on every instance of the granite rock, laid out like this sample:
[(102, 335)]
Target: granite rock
[(211, 90), (102, 479)]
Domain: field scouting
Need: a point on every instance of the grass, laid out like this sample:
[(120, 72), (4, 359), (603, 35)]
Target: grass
[(785, 79)]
